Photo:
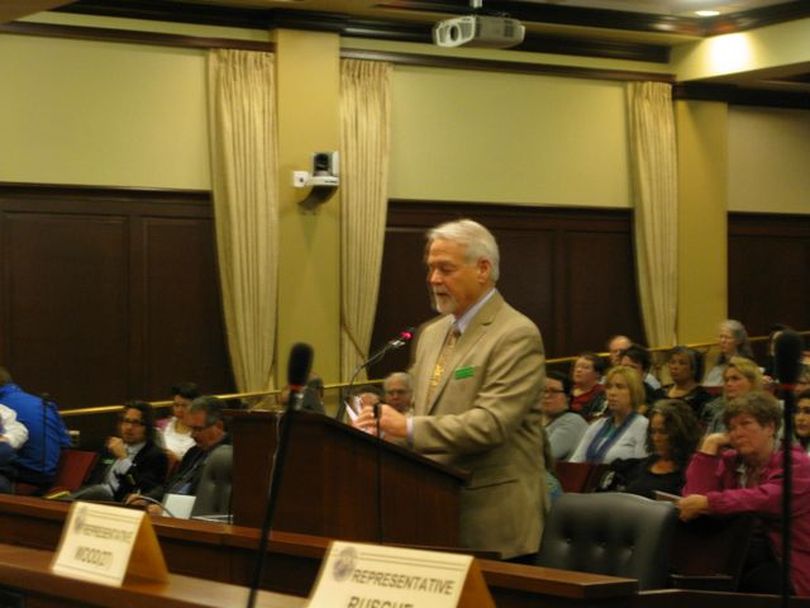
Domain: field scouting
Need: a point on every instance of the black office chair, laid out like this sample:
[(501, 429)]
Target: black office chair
[(610, 533), (214, 489)]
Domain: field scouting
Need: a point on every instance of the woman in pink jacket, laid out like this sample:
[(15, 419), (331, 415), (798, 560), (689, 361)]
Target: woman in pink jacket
[(748, 479)]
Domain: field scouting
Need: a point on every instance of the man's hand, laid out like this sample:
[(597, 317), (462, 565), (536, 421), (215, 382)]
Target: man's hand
[(693, 505), (117, 447), (135, 500), (392, 423), (154, 509)]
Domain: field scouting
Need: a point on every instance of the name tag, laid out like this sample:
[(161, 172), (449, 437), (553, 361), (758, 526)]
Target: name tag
[(464, 372), (103, 544), (355, 575)]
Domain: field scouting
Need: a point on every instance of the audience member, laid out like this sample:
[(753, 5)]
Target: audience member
[(801, 419), (748, 479), (312, 398), (587, 396), (38, 457), (398, 391), (132, 461), (564, 428), (13, 436), (616, 347), (205, 419), (638, 358), (733, 342), (768, 369), (685, 367), (622, 433), (673, 436), (176, 434), (740, 376)]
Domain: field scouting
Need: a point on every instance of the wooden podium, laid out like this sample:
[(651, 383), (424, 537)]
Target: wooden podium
[(342, 483)]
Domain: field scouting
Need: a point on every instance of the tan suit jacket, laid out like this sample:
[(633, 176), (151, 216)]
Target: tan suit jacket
[(483, 417)]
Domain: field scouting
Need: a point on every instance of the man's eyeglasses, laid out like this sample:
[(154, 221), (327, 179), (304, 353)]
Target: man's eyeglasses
[(132, 421)]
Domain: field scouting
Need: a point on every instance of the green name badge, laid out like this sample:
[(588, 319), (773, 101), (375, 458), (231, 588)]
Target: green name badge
[(464, 372)]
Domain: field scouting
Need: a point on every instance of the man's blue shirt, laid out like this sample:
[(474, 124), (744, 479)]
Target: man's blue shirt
[(47, 434)]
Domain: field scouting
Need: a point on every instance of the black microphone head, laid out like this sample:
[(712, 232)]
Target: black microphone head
[(788, 356), (299, 364)]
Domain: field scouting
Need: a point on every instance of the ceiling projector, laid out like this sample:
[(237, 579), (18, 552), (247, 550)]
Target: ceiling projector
[(480, 31)]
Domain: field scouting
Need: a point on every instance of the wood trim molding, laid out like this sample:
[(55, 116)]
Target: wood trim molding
[(758, 17), (735, 95), (614, 19), (516, 67), (58, 192), (74, 32), (351, 27), (561, 15), (749, 223)]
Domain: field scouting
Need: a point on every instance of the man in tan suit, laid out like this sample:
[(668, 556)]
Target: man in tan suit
[(478, 374)]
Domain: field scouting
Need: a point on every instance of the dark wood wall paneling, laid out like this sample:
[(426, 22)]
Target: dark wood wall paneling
[(108, 295), (769, 270), (571, 271)]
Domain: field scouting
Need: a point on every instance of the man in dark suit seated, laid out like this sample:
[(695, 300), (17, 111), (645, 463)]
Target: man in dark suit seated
[(132, 462), (205, 419)]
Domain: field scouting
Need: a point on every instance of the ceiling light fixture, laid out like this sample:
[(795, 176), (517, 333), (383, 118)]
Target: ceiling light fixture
[(707, 13)]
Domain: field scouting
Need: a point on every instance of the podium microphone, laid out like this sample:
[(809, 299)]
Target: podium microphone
[(298, 368), (787, 363), (401, 339), (299, 364)]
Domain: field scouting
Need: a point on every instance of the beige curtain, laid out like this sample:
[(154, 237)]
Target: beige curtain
[(365, 107), (242, 123), (655, 198)]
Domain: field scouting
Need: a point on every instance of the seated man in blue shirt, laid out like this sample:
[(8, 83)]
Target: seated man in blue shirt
[(38, 457)]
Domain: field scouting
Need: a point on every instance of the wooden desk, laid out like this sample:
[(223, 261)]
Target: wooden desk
[(219, 552), (27, 571)]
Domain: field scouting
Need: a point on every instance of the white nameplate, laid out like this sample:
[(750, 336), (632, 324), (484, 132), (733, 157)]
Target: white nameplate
[(355, 575), (99, 542)]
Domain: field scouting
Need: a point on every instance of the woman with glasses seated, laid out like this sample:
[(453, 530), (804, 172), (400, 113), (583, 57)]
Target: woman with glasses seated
[(622, 433), (741, 471), (674, 434), (563, 427)]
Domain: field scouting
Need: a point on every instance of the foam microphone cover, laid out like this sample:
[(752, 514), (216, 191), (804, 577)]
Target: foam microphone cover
[(299, 364), (788, 356)]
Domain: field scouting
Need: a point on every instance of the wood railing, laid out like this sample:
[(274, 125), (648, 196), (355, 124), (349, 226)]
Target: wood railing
[(335, 388)]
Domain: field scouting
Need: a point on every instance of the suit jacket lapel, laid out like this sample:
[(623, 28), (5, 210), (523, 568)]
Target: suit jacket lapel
[(475, 330)]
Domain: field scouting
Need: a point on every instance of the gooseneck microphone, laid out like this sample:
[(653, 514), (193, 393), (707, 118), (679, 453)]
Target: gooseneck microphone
[(787, 363), (298, 367), (402, 338)]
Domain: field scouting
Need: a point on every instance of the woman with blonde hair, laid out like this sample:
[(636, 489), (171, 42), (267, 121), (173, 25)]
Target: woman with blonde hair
[(741, 376), (622, 432)]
